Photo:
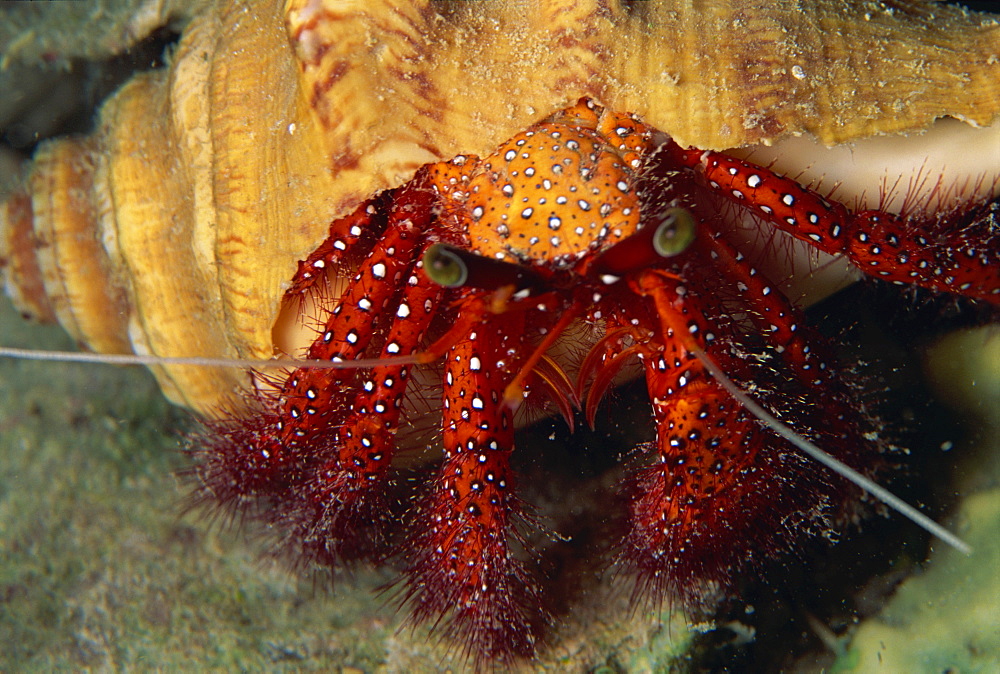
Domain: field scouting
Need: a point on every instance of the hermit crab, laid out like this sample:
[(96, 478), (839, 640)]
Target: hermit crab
[(413, 224)]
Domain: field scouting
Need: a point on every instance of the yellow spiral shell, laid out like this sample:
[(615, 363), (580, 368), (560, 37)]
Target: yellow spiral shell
[(175, 228)]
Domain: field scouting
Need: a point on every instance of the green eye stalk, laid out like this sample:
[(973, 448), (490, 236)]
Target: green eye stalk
[(444, 266), (674, 233)]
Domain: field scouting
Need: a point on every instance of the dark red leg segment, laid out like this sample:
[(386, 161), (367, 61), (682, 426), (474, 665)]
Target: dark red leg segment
[(775, 317), (344, 495), (725, 491), (462, 564), (345, 236), (962, 259), (268, 455)]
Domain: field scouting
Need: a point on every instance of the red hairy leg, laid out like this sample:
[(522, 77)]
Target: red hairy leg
[(344, 494), (960, 258), (726, 491), (359, 230), (773, 315), (263, 454), (462, 570)]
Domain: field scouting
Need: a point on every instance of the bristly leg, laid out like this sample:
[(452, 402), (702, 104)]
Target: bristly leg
[(460, 566), (721, 478), (345, 495), (355, 233), (724, 492), (948, 254), (309, 457)]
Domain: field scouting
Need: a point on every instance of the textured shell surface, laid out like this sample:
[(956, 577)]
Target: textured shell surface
[(174, 229)]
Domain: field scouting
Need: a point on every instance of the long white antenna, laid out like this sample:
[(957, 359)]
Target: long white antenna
[(881, 493), (134, 359)]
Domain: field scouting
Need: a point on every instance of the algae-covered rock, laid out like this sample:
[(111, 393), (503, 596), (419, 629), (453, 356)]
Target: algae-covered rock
[(98, 567)]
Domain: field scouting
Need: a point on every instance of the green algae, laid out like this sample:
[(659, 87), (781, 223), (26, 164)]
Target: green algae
[(99, 569)]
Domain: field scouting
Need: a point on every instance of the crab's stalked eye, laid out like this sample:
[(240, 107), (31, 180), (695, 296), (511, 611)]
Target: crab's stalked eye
[(674, 233), (453, 267), (444, 266), (666, 235)]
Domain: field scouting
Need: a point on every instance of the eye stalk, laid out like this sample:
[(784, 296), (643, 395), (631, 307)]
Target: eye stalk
[(668, 234), (453, 267), (444, 266), (675, 232)]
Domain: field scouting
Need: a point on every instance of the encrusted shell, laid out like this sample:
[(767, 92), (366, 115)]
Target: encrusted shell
[(176, 227)]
